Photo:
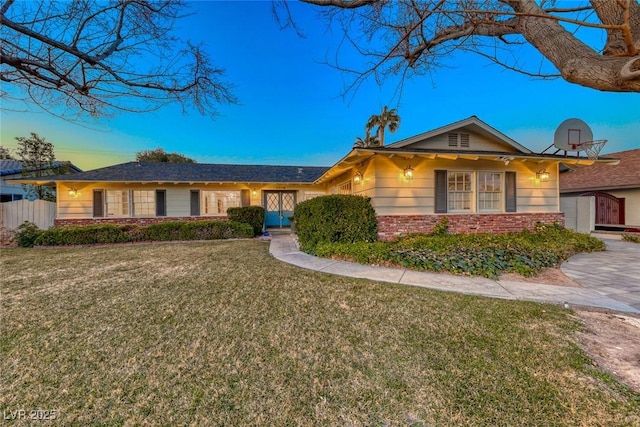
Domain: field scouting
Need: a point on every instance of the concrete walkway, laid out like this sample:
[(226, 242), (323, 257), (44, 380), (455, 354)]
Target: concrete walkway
[(284, 247)]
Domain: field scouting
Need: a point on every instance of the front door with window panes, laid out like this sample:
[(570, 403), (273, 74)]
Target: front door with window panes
[(279, 207)]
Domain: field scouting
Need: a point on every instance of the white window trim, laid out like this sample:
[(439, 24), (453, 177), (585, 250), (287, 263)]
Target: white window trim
[(502, 192), (130, 202), (475, 191), (472, 202)]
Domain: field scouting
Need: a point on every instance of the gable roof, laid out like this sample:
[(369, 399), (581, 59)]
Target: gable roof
[(195, 173), (626, 174), (14, 167), (472, 123)]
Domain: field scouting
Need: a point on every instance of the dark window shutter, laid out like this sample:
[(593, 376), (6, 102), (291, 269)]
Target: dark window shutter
[(510, 192), (98, 203), (195, 203), (441, 191), (161, 202), (245, 198)]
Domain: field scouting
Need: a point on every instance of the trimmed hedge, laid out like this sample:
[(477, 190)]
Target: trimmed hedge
[(86, 235), (335, 219), (164, 231), (252, 215)]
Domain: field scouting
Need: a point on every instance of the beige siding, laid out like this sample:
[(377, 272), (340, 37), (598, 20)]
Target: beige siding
[(178, 195), (395, 195), (476, 143), (631, 205)]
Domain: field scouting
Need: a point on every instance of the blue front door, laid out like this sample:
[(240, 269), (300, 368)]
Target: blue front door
[(279, 207)]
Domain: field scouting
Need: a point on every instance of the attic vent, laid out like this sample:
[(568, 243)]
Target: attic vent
[(458, 140), (464, 140), (299, 170)]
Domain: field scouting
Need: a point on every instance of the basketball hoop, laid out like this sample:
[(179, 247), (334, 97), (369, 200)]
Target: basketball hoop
[(592, 148)]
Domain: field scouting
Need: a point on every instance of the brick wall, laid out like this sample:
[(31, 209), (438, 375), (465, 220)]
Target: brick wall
[(137, 221), (392, 226)]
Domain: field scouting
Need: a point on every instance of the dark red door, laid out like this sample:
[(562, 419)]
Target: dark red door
[(609, 209)]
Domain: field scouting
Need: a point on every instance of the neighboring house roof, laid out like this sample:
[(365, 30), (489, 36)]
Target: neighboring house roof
[(195, 172), (473, 124), (14, 167), (626, 174)]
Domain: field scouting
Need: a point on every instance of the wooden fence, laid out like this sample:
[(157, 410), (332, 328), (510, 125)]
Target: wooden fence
[(40, 212)]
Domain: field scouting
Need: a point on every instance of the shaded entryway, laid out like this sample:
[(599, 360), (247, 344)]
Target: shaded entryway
[(279, 207)]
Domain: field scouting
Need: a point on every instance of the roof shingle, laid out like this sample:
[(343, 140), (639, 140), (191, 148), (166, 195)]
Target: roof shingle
[(197, 172), (625, 174)]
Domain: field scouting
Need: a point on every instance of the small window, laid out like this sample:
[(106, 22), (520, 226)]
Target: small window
[(217, 202), (345, 188), (459, 191)]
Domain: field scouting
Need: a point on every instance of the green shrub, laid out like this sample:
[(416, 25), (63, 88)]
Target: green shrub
[(84, 235), (488, 255), (335, 219), (631, 237), (163, 231), (214, 230), (252, 215), (27, 234)]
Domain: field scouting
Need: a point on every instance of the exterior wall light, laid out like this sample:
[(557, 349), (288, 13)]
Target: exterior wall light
[(408, 172), (73, 192), (543, 175), (357, 178)]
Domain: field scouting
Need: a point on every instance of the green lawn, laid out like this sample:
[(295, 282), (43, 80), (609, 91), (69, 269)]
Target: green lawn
[(220, 333)]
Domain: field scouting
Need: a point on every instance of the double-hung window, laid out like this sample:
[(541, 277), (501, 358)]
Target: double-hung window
[(459, 191), (144, 202), (475, 191), (490, 190), (127, 203), (117, 203)]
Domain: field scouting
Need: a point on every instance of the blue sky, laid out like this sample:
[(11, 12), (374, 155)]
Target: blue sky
[(291, 111)]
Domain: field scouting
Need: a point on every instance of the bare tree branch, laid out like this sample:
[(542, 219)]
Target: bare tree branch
[(96, 57), (417, 35)]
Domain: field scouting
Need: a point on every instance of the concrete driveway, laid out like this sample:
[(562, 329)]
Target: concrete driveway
[(614, 273)]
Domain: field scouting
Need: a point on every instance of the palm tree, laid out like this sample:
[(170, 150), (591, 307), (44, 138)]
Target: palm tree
[(368, 141), (386, 118)]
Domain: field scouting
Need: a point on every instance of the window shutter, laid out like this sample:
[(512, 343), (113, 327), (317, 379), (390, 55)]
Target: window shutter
[(245, 198), (161, 202), (98, 203), (195, 203), (441, 191), (510, 192)]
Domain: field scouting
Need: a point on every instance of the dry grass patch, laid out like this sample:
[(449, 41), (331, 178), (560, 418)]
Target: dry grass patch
[(222, 334)]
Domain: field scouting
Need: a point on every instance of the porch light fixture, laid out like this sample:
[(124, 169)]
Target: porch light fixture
[(543, 175), (408, 172), (73, 192), (357, 178)]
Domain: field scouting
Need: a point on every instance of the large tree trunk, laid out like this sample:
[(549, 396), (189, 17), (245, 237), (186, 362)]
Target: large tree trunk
[(577, 62)]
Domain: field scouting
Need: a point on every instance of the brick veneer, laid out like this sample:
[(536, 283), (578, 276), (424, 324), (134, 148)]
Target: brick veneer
[(59, 222), (392, 226)]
